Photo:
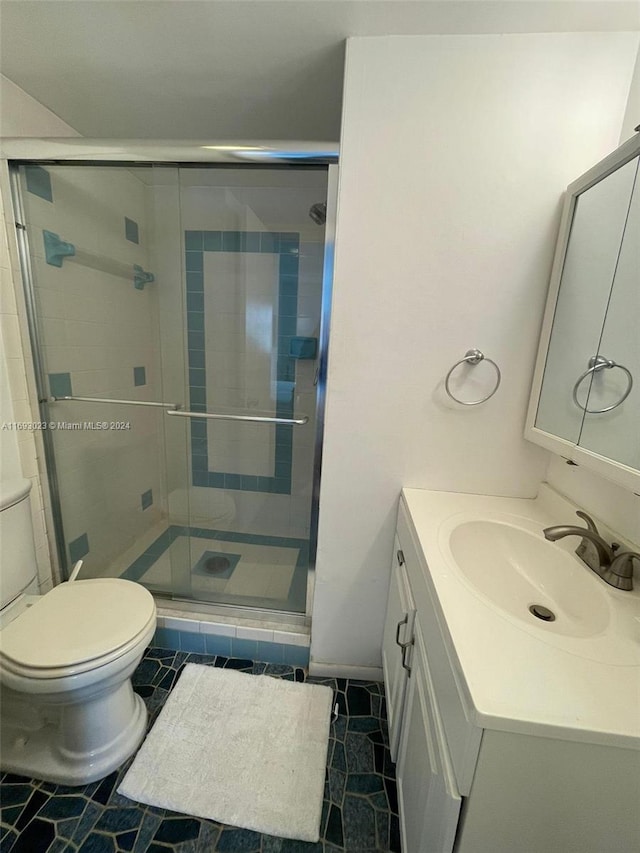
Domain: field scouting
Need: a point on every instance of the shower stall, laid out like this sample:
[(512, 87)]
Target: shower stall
[(178, 301)]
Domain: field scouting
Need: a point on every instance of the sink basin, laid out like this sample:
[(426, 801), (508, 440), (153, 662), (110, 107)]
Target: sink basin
[(514, 569)]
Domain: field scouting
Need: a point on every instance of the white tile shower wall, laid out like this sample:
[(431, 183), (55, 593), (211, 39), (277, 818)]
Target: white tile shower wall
[(22, 115), (447, 218), (97, 327)]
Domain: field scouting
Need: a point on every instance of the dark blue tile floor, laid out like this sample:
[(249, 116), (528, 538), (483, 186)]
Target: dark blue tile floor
[(360, 811)]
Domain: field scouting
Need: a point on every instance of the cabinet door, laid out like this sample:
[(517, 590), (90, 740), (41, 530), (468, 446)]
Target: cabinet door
[(398, 629), (427, 793)]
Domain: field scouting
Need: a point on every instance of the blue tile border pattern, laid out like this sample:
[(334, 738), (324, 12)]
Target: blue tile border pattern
[(38, 182), (139, 376), (60, 384), (360, 802), (131, 230), (297, 593), (79, 548), (286, 246)]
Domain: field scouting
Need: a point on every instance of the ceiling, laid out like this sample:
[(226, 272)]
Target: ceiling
[(235, 69)]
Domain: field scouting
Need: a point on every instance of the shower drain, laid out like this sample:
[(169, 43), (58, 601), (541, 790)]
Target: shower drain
[(541, 612), (216, 565)]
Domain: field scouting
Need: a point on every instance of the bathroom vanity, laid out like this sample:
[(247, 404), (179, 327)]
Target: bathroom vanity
[(511, 734)]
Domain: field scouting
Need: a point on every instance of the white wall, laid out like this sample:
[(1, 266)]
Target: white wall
[(22, 115), (455, 151)]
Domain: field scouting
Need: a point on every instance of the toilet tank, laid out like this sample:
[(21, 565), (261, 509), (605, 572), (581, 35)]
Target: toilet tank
[(17, 549)]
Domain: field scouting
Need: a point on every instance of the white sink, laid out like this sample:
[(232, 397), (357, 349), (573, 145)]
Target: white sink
[(517, 570)]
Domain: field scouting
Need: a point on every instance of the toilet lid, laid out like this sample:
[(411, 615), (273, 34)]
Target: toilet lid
[(78, 622)]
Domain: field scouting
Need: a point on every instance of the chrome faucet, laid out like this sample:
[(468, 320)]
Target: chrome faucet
[(615, 569)]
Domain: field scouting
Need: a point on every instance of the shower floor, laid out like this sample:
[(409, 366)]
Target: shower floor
[(223, 567)]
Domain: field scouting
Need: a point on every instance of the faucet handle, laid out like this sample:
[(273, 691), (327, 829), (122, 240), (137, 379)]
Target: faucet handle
[(590, 522), (620, 572)]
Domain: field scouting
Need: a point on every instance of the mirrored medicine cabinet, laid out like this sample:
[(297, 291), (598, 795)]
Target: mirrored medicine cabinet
[(585, 399)]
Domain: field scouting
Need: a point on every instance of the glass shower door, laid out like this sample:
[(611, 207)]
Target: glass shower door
[(93, 315), (252, 264), (175, 318)]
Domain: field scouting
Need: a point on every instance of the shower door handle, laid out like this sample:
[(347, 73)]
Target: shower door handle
[(246, 418)]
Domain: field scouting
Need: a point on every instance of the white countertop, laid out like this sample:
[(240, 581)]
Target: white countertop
[(519, 678)]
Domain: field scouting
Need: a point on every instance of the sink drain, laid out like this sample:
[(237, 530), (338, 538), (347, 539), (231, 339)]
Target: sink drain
[(216, 565), (543, 613)]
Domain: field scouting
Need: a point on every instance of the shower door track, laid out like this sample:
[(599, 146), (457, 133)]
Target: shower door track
[(211, 608)]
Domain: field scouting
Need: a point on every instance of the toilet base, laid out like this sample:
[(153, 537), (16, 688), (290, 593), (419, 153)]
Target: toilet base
[(34, 750)]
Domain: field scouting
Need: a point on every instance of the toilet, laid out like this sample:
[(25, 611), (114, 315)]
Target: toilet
[(68, 712)]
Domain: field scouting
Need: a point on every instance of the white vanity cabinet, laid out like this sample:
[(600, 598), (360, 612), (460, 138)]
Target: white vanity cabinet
[(427, 791), (470, 782), (396, 645)]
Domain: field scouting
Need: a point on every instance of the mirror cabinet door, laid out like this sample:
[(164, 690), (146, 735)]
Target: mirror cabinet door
[(611, 394), (590, 267)]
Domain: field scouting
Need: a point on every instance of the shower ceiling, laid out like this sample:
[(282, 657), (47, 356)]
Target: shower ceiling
[(250, 69)]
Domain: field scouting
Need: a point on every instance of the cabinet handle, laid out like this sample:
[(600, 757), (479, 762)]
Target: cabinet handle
[(405, 646), (398, 626), (400, 557)]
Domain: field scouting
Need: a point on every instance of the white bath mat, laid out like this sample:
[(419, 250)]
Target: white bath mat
[(247, 750)]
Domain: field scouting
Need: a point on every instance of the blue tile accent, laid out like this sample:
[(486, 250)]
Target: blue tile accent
[(195, 340), (197, 377), (296, 655), (131, 230), (289, 244), (60, 385), (216, 645), (167, 638), (195, 282), (269, 242), (39, 182), (56, 249), (252, 241), (243, 648), (191, 642), (141, 277), (212, 241), (195, 321), (289, 265), (232, 241), (193, 241), (286, 246), (79, 548), (146, 499), (139, 376), (303, 347), (195, 301), (270, 652), (194, 261)]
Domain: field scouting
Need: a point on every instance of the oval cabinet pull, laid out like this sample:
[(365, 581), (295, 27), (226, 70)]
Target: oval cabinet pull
[(400, 557)]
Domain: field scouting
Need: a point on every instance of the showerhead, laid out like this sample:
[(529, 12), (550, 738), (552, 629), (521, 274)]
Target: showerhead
[(318, 212)]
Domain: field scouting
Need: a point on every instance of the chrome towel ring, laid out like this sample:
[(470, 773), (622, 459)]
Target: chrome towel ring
[(596, 364), (473, 356)]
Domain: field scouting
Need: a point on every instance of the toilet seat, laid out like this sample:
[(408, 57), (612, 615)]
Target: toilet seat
[(77, 627)]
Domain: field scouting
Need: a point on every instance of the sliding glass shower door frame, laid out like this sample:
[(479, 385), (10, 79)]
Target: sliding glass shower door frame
[(130, 155)]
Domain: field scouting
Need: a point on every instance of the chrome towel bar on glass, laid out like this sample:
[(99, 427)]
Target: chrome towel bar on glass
[(473, 356), (251, 418), (596, 364), (175, 409), (118, 402)]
